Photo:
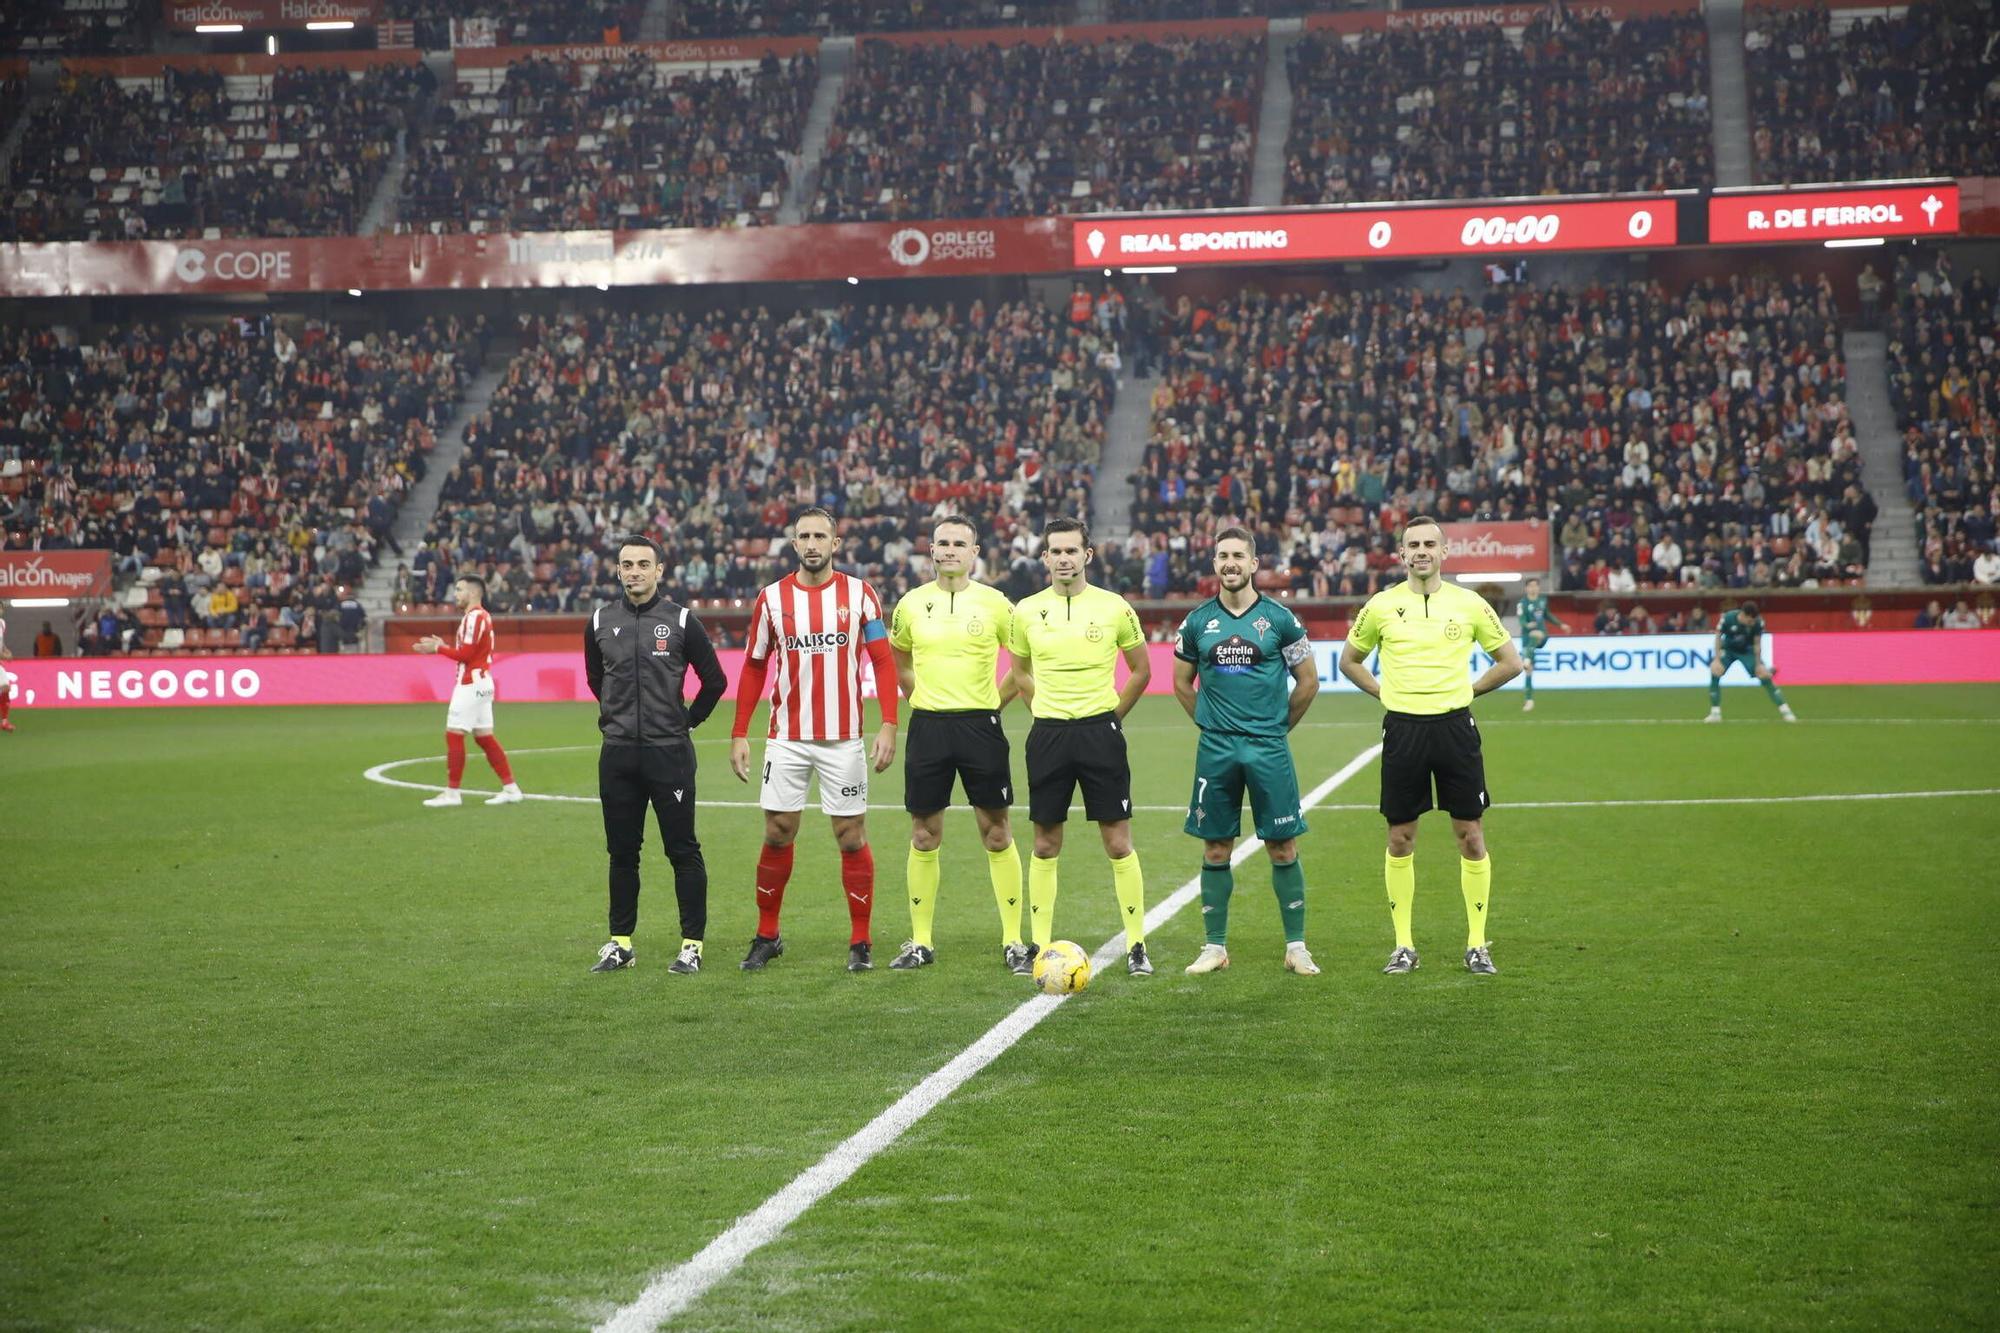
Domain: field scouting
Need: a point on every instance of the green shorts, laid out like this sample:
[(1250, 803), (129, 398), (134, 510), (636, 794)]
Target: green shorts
[(1532, 640), (1224, 764), (1728, 659)]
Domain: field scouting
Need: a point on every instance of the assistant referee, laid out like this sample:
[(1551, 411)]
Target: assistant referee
[(1426, 629), (947, 637), (636, 652), (1066, 644)]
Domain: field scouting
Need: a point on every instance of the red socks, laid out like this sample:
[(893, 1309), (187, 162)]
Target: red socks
[(774, 869), (454, 758), (494, 756), (857, 876), (6, 704)]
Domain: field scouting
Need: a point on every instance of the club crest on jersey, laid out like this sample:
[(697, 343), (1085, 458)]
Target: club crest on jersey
[(1261, 625)]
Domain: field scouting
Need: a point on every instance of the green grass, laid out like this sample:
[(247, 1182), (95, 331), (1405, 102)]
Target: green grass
[(285, 1049)]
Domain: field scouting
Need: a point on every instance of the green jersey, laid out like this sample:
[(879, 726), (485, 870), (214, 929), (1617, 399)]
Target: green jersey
[(1739, 636), (1244, 663), (1535, 615)]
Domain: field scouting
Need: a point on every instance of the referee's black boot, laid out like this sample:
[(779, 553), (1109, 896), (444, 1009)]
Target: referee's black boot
[(762, 951), (612, 957), (913, 956)]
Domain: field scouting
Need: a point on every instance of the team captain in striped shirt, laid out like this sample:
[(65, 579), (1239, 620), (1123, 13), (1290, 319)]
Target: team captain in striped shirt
[(808, 634)]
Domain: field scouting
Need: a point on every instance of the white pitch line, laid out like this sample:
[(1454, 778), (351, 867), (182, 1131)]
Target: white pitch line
[(677, 1288)]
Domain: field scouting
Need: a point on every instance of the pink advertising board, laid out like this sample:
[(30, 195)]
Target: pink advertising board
[(1887, 657)]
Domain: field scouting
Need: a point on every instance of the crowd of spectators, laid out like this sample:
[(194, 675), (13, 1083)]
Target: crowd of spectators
[(797, 18), (193, 152), (558, 146), (1944, 383), (518, 22), (243, 474), (1576, 105), (70, 27), (939, 131), (708, 429), (1873, 99), (1692, 438)]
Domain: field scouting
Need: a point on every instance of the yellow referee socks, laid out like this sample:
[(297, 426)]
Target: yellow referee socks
[(920, 872), (1005, 868), (1400, 874), (1475, 881), (1042, 899), (1130, 886)]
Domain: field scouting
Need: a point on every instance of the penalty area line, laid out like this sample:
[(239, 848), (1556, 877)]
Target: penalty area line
[(677, 1288)]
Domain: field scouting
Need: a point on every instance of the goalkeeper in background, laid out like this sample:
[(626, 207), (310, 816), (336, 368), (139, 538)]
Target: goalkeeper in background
[(1257, 677), (1535, 618), (1739, 637)]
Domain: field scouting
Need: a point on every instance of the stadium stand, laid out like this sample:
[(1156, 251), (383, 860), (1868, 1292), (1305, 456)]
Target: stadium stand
[(709, 429), (796, 18), (1944, 383), (519, 22), (1576, 106), (1696, 438), (70, 27), (543, 145), (962, 132), (1877, 98), (194, 152), (239, 474)]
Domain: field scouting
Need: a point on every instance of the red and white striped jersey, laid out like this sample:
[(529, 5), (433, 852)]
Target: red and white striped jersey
[(815, 636), (474, 646)]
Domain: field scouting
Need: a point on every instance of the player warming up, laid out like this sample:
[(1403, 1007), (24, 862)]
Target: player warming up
[(808, 634), (1425, 629), (947, 637), (1066, 644), (1535, 618), (1244, 671), (1739, 637), (471, 709)]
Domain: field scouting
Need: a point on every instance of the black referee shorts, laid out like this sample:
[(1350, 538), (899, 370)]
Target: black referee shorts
[(1065, 753), (1422, 749), (966, 745)]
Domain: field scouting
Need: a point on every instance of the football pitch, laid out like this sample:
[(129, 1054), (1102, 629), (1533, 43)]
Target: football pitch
[(285, 1049)]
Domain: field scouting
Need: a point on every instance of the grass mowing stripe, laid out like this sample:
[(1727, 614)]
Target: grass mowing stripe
[(678, 1288)]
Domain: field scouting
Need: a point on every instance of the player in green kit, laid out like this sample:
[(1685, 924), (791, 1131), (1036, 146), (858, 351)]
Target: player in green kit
[(1535, 619), (1256, 674), (1738, 637), (947, 637)]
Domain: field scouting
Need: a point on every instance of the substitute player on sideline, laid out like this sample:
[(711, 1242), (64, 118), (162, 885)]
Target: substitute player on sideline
[(1535, 618), (471, 708), (636, 655), (815, 626), (947, 637), (1066, 643), (1739, 637), (1254, 666), (1426, 628)]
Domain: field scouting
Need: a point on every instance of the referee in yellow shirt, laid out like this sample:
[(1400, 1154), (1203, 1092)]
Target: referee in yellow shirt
[(947, 637), (1426, 629), (1066, 644)]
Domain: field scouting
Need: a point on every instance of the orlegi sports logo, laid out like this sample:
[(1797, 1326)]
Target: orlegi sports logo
[(819, 642), (914, 246)]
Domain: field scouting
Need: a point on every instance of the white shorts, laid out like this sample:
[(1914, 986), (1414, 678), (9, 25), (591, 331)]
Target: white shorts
[(7, 678), (843, 776), (471, 707)]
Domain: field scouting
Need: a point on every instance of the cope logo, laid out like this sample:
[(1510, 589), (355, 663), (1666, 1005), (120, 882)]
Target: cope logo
[(191, 265)]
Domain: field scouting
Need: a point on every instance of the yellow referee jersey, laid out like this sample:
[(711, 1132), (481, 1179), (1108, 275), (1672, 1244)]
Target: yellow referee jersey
[(1425, 643), (954, 641), (1073, 645)]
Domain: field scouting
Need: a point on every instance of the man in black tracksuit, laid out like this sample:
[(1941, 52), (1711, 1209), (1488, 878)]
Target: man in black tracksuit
[(636, 652)]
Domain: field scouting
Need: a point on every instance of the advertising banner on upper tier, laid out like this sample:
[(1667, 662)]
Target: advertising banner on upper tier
[(55, 574), (1898, 657)]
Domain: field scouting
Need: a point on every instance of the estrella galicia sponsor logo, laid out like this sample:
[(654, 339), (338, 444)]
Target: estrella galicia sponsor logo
[(1235, 656)]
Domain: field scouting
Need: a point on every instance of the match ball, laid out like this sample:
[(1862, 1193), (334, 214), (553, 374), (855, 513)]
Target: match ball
[(1062, 969)]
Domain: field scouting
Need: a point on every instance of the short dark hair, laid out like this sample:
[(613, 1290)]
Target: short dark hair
[(1750, 607), (473, 578), (816, 511), (1066, 524), (1236, 532), (962, 520), (1417, 521), (640, 539)]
